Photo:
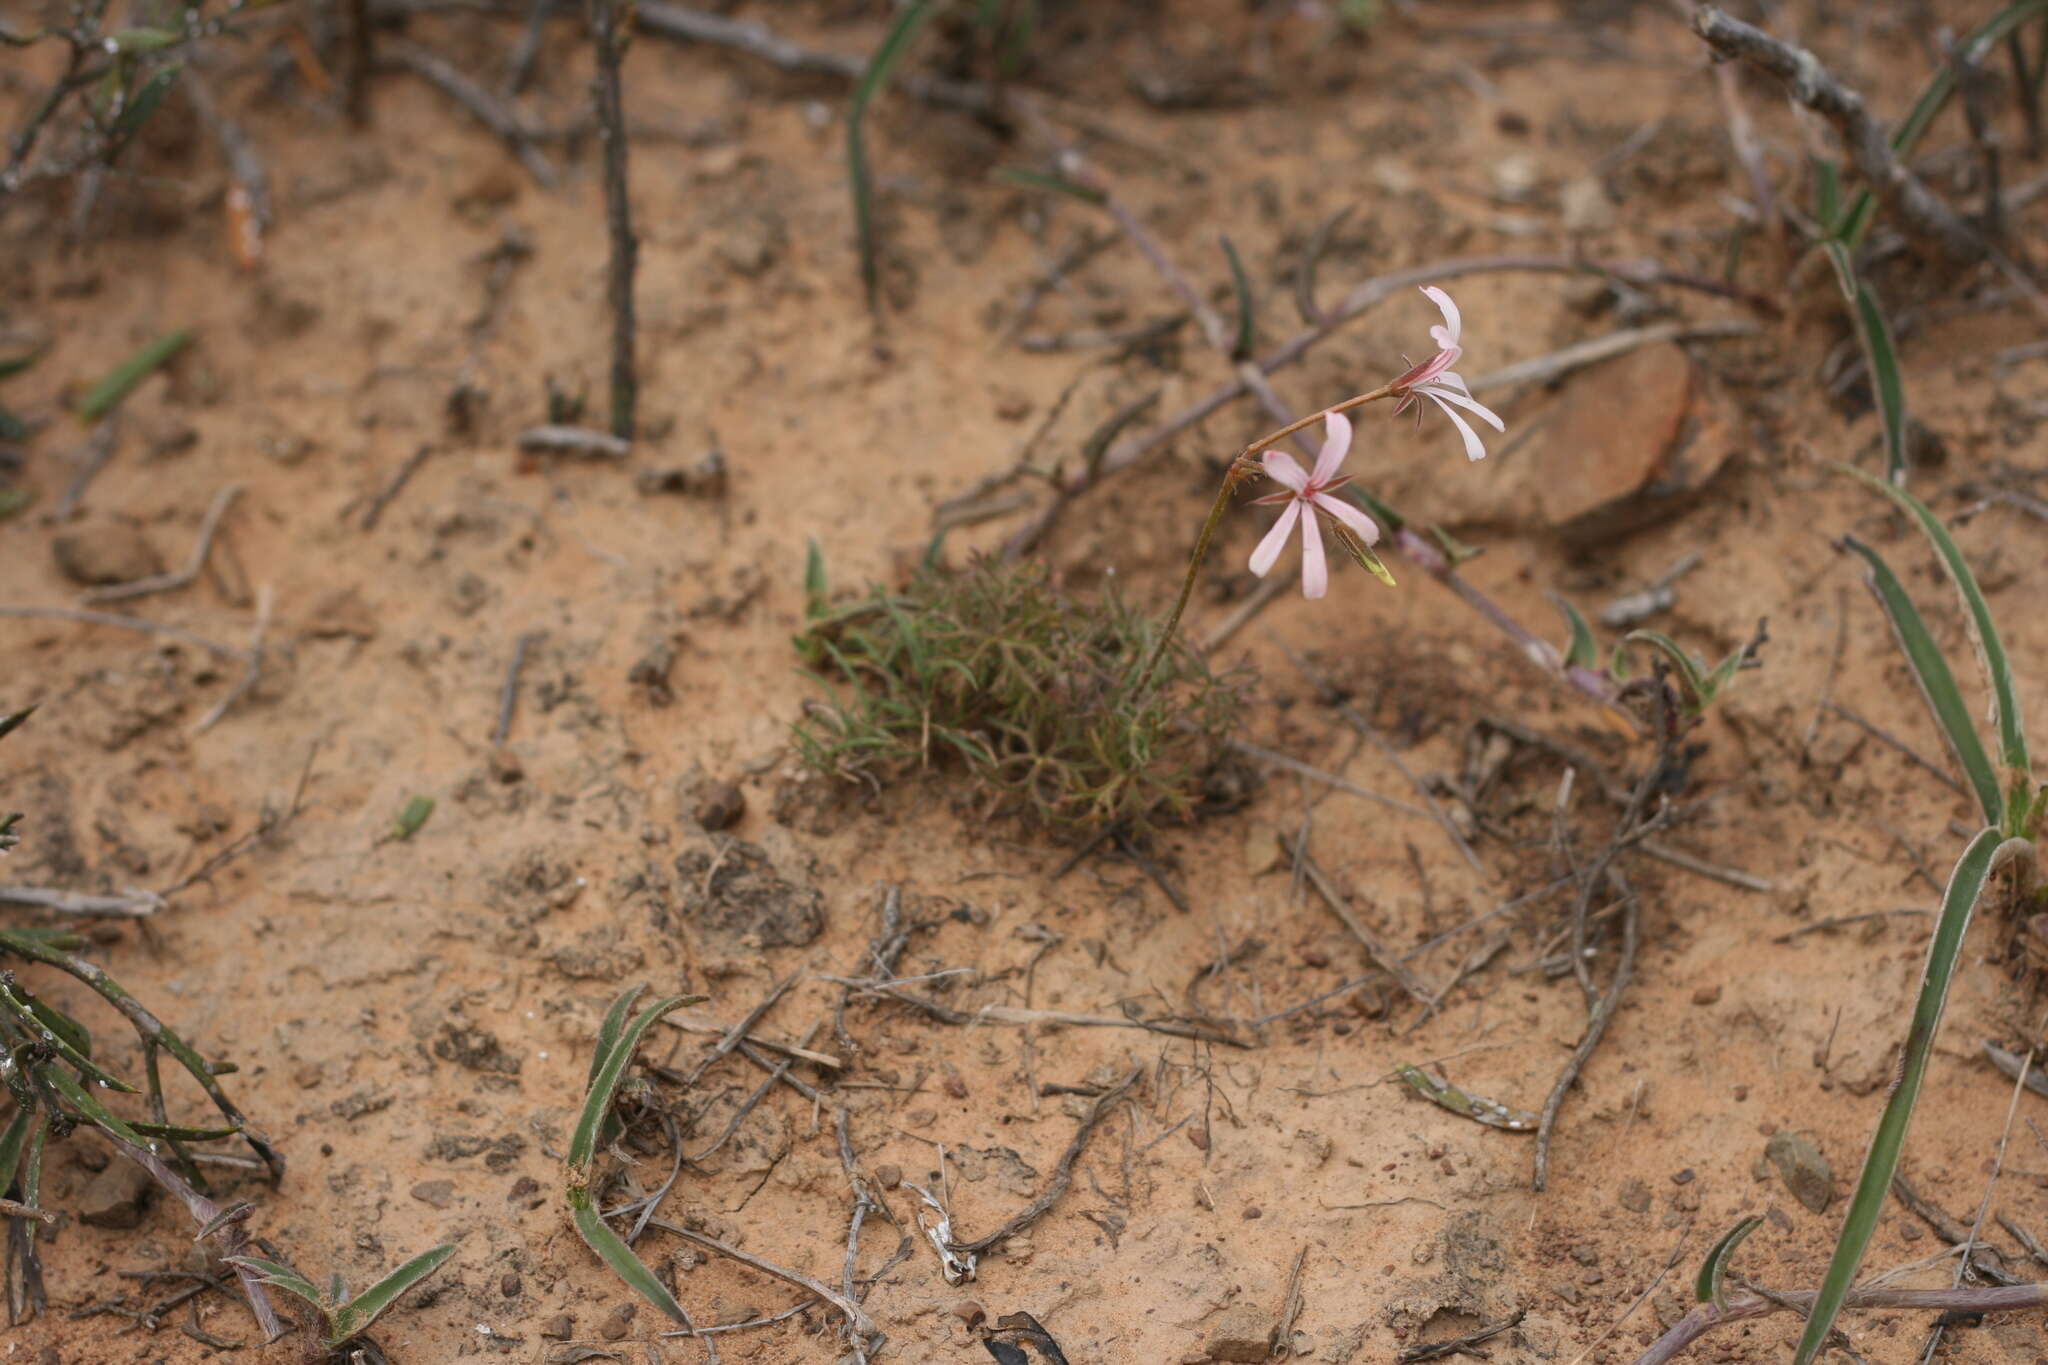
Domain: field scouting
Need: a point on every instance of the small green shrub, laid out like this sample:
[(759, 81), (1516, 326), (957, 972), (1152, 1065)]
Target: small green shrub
[(993, 668)]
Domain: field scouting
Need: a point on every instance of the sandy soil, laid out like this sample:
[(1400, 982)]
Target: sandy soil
[(413, 1019)]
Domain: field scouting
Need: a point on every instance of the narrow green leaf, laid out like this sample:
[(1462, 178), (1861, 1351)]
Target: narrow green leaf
[(13, 721), (63, 1037), (1939, 89), (608, 1031), (11, 1143), (1051, 184), (135, 41), (614, 1252), (1887, 383), (1582, 651), (1708, 1287), (1241, 348), (414, 816), (1931, 671), (355, 1318), (61, 1081), (1827, 191), (15, 364), (145, 101), (894, 44), (1985, 854), (1991, 657), (1698, 692), (103, 397), (176, 1133), (270, 1272), (233, 1213), (604, 1087)]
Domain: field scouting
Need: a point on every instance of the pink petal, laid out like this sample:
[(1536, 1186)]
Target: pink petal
[(1465, 400), (1368, 531), (1473, 450), (1446, 336), (1284, 470), (1275, 541), (1336, 444), (1315, 570)]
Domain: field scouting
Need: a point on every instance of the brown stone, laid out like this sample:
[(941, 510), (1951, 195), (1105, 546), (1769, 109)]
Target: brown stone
[(114, 1198), (96, 552), (719, 805), (1803, 1168), (617, 1323), (437, 1194), (1243, 1333), (341, 615)]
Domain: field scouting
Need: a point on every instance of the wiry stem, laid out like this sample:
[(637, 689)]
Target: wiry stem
[(1240, 469)]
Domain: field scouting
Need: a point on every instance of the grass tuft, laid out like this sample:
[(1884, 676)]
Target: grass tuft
[(994, 670)]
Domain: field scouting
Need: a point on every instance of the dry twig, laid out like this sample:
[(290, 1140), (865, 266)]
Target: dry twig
[(166, 582), (1918, 209)]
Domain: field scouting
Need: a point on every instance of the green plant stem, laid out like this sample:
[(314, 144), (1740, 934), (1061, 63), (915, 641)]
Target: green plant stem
[(1239, 468)]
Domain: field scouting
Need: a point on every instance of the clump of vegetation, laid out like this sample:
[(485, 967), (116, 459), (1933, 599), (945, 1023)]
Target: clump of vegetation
[(57, 1086), (995, 669)]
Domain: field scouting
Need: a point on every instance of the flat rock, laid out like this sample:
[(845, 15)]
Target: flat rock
[(114, 1198), (96, 552), (1628, 443), (1803, 1169), (1242, 1333)]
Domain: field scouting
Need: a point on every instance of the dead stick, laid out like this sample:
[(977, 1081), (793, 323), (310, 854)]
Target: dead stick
[(1918, 209), (606, 95), (165, 582), (1707, 1317), (107, 618), (1378, 951), (375, 510), (481, 105), (1063, 1173)]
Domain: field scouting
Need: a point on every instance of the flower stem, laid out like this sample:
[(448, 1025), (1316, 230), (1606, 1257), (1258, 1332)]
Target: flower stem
[(1240, 469)]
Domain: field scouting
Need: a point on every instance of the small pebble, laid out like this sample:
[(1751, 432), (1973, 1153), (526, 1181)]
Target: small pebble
[(719, 806), (1254, 1212), (888, 1175), (508, 1284), (1706, 995)]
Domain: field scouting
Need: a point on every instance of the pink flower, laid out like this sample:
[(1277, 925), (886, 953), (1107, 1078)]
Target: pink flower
[(1307, 493), (1433, 379)]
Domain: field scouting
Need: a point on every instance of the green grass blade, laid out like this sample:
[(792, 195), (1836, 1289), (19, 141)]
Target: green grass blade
[(354, 1318), (894, 44), (1051, 184), (1708, 1287), (64, 1037), (1583, 651), (1887, 382), (614, 1252), (177, 1133), (270, 1272), (1984, 855), (1939, 89), (608, 1032), (145, 102), (1242, 286), (1937, 684), (604, 1086), (1698, 693), (60, 1081), (2005, 703), (817, 597), (11, 1143), (103, 397)]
